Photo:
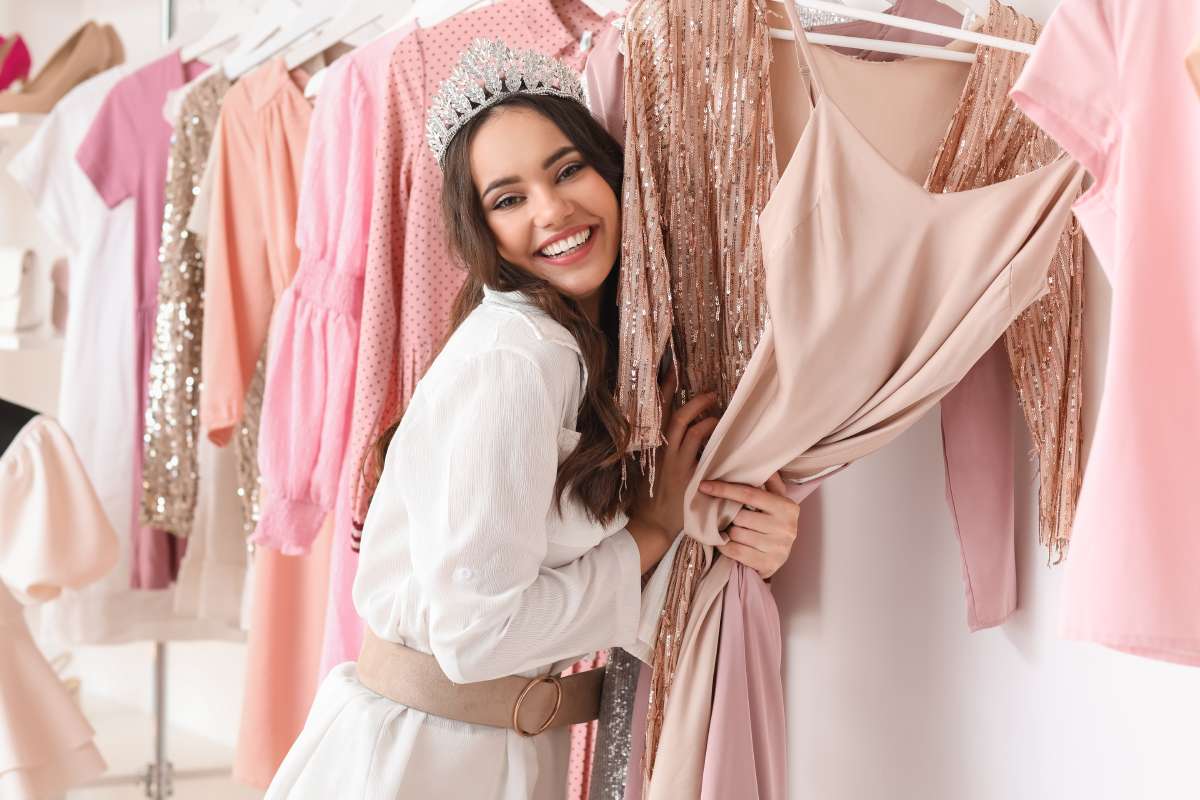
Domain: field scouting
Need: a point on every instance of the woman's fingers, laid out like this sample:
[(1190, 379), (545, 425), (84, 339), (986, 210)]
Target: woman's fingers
[(759, 522), (753, 539), (683, 417), (694, 439), (750, 496), (743, 554)]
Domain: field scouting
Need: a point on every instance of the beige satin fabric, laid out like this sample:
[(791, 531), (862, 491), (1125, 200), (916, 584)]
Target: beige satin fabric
[(881, 295), (678, 770)]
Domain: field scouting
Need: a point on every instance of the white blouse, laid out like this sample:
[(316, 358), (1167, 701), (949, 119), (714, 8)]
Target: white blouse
[(464, 556), (463, 553)]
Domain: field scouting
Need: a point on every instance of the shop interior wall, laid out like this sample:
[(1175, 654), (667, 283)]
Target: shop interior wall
[(888, 695)]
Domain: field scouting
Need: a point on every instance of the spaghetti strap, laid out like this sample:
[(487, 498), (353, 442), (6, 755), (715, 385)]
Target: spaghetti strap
[(804, 52)]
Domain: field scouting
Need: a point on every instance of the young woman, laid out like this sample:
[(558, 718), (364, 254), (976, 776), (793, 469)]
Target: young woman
[(501, 543)]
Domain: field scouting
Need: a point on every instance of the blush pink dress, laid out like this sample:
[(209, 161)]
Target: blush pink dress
[(1107, 83), (54, 535)]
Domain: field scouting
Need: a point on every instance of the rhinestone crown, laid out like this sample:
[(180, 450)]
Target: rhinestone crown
[(489, 71)]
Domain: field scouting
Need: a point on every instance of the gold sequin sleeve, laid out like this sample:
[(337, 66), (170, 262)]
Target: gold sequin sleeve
[(170, 440)]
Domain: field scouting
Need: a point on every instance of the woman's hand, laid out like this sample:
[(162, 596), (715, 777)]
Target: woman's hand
[(762, 534), (657, 518)]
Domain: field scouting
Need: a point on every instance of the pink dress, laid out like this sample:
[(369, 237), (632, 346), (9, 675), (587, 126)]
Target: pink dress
[(54, 535), (371, 302), (124, 154), (251, 257), (1106, 82)]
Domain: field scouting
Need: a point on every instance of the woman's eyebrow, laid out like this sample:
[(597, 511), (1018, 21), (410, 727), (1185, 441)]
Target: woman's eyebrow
[(555, 156)]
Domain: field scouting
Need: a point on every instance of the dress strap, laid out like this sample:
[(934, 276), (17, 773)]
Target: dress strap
[(808, 66)]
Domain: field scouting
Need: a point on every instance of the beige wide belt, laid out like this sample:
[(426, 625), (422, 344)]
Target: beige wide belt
[(527, 705)]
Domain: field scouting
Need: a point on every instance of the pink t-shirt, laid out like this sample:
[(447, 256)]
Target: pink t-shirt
[(1106, 82), (124, 155)]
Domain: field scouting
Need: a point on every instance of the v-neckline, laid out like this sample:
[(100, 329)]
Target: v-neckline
[(825, 100)]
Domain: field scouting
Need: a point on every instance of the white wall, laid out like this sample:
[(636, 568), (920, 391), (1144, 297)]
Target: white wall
[(889, 697)]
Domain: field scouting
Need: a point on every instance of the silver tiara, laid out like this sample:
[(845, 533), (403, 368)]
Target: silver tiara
[(489, 71)]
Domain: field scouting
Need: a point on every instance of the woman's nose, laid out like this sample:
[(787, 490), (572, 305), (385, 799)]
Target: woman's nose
[(552, 210)]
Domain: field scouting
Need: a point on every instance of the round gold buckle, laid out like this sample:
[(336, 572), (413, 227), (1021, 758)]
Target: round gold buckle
[(516, 723)]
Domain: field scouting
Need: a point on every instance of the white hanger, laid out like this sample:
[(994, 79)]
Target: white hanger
[(359, 15), (603, 8), (229, 26), (902, 48), (431, 12), (310, 18), (272, 16)]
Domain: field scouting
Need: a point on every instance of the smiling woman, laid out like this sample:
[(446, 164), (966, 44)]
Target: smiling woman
[(502, 544)]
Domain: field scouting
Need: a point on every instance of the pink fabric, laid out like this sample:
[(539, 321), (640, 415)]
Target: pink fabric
[(637, 735), (124, 154), (746, 750), (604, 81), (250, 251), (1105, 81), (310, 374), (977, 445), (54, 535), (583, 737), (746, 754), (283, 653)]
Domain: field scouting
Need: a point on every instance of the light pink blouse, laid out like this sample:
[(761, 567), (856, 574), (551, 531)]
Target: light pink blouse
[(1106, 82)]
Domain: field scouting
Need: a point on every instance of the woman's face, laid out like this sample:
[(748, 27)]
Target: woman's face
[(550, 213)]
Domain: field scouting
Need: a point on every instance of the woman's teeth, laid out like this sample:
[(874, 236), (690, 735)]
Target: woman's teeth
[(564, 246)]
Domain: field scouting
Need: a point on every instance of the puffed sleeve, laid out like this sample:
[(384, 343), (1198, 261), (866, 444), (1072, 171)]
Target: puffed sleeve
[(314, 343), (53, 532), (482, 488)]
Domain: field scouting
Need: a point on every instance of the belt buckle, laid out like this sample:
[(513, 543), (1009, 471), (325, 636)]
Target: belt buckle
[(516, 723)]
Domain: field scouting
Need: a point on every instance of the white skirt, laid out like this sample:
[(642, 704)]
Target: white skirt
[(358, 744)]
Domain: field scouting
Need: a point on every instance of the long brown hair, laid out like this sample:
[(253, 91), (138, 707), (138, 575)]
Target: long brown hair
[(593, 472)]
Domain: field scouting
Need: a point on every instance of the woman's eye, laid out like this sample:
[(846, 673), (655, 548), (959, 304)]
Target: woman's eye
[(569, 170), (508, 201)]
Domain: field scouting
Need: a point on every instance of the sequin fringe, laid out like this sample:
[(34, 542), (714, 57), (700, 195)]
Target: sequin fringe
[(990, 140)]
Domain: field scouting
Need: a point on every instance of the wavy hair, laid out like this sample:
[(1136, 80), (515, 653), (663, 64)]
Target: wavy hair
[(594, 471)]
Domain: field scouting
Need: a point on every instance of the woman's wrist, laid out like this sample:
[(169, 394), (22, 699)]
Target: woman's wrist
[(652, 540)]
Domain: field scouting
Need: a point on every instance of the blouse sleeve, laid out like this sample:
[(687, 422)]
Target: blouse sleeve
[(110, 153), (237, 283), (481, 496), (314, 341), (54, 534), (1069, 86)]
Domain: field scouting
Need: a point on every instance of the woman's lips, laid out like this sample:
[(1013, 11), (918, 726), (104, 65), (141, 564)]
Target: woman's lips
[(573, 257)]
